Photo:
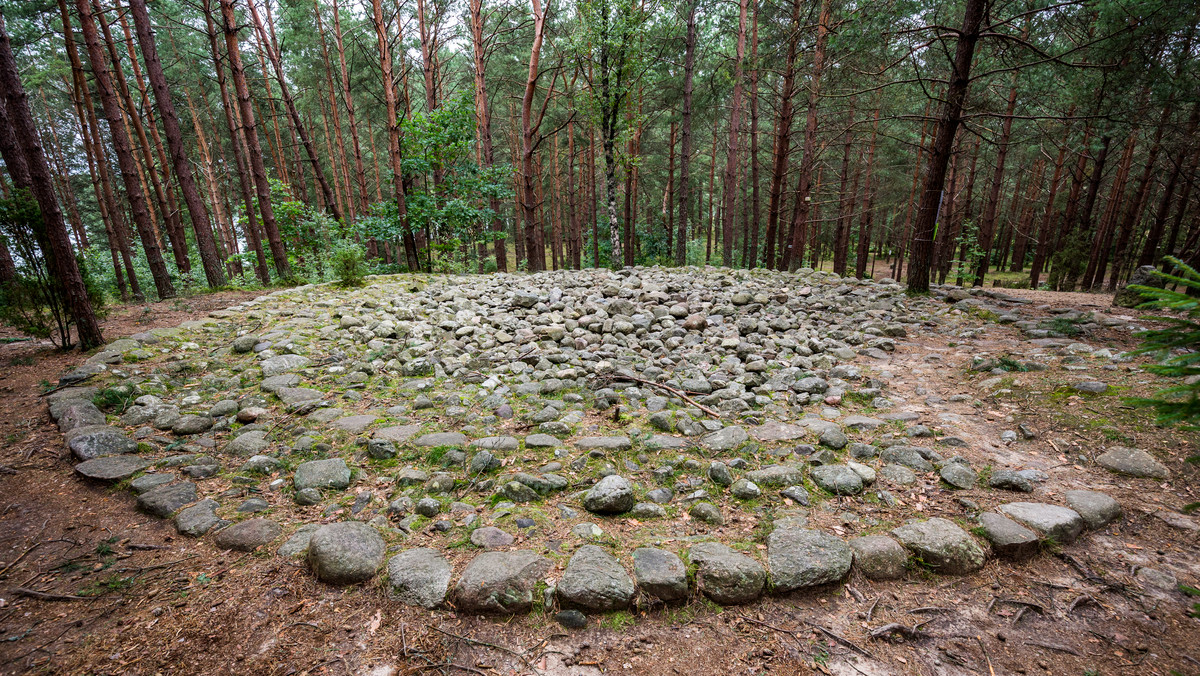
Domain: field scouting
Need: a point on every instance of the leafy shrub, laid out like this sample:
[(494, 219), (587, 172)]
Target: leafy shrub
[(348, 261), (1177, 346)]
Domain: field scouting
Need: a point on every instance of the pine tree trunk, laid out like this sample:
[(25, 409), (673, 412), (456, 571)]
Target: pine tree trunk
[(735, 132), (943, 142), (864, 223), (751, 257), (52, 231), (209, 254), (793, 255), (360, 171), (393, 125), (1045, 231), (987, 228), (483, 121), (783, 136), (125, 159), (685, 150), (253, 149), (534, 250)]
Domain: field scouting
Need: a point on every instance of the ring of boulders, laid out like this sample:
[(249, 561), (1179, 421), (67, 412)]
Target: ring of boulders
[(503, 579)]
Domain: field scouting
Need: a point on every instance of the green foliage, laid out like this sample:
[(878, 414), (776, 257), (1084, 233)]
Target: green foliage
[(114, 399), (349, 262), (1176, 347), (35, 301)]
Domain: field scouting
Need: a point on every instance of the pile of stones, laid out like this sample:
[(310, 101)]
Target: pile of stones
[(665, 405)]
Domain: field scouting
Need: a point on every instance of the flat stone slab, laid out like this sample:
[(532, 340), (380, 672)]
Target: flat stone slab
[(419, 577), (860, 422), (248, 443), (1133, 462), (500, 582), (347, 552), (167, 499), (292, 396), (331, 473), (660, 573), (837, 479), (667, 442), (803, 557), (542, 441), (725, 576), (276, 383), (906, 456), (283, 363), (879, 557), (725, 439), (112, 468), (94, 441), (941, 545), (397, 433), (594, 580), (1097, 509), (198, 519), (441, 439), (1009, 539), (603, 444), (248, 535), (354, 424), (1061, 524), (778, 431), (490, 537), (777, 476)]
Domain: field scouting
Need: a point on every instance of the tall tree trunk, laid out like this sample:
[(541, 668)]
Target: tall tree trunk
[(209, 254), (338, 161), (987, 229), (1024, 225), (26, 148), (668, 213), (360, 171), (483, 121), (864, 223), (735, 132), (253, 149), (943, 142), (751, 257), (535, 251), (237, 144), (393, 125), (310, 149), (685, 150), (1045, 231), (1153, 238), (783, 136), (125, 159), (1073, 270), (793, 256), (1098, 257), (841, 238), (575, 238)]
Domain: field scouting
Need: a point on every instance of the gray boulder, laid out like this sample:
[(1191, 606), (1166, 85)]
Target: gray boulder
[(802, 557), (725, 576), (725, 439), (248, 535), (346, 552), (1097, 509), (777, 476), (198, 519), (610, 495), (1134, 462), (1009, 539), (500, 582), (838, 479), (419, 577), (879, 557), (660, 574), (167, 499), (112, 468), (1143, 276), (594, 580), (1058, 523), (331, 473), (958, 475), (94, 441), (941, 545), (1010, 480)]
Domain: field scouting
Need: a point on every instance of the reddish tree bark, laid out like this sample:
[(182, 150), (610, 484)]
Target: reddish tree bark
[(735, 132), (209, 254), (125, 159), (483, 120), (56, 244), (943, 142), (783, 125), (685, 151)]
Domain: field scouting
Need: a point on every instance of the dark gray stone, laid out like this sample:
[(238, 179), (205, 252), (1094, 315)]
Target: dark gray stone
[(610, 495), (725, 576), (802, 557), (248, 535), (500, 582), (1058, 523), (419, 577), (345, 553), (94, 441), (167, 499), (331, 473), (879, 557), (595, 580), (112, 468), (1009, 539), (1097, 509), (1133, 462), (941, 545), (660, 574), (198, 519)]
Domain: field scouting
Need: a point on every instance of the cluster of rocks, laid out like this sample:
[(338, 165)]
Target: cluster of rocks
[(412, 394)]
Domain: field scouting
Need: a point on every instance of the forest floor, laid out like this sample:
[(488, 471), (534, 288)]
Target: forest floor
[(88, 584)]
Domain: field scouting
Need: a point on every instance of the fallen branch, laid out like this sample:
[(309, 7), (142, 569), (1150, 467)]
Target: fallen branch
[(667, 388), (1054, 646), (1081, 600), (494, 646), (844, 641), (47, 596)]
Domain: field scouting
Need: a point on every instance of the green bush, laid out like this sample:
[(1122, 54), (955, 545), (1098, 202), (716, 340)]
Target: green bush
[(1176, 347), (349, 262)]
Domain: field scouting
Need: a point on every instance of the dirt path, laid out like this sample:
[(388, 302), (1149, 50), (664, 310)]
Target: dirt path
[(90, 585)]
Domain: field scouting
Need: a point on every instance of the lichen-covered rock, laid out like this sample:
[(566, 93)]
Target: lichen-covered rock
[(500, 582), (595, 580), (941, 545), (802, 557)]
